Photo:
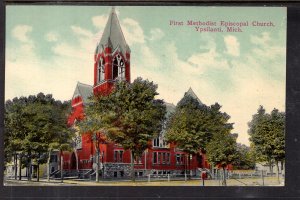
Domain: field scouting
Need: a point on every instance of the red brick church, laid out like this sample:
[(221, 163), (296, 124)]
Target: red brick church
[(111, 62)]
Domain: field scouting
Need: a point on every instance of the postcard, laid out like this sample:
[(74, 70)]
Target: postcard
[(144, 96)]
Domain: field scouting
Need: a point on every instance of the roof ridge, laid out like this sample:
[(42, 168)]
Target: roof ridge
[(83, 84), (79, 90), (170, 103), (121, 30), (111, 17)]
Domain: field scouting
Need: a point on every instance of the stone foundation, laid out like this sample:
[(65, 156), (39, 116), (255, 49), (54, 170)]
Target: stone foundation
[(116, 170), (123, 170)]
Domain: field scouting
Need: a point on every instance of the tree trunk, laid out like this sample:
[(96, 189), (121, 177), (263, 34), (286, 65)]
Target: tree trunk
[(277, 165), (97, 165), (38, 172), (16, 166), (224, 177), (20, 167), (102, 161), (29, 168), (270, 166), (272, 169), (132, 166), (189, 166), (48, 166), (61, 167), (185, 165)]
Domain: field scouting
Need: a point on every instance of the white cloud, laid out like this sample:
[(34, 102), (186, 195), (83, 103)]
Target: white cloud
[(174, 76), (51, 37), (156, 34), (207, 41), (270, 52), (265, 48), (27, 74), (64, 49), (100, 21), (82, 49), (81, 32), (132, 31), (150, 60), (207, 60), (21, 32), (232, 45)]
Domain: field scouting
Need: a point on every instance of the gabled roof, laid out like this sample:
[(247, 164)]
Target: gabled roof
[(84, 91), (113, 35), (191, 93), (170, 108)]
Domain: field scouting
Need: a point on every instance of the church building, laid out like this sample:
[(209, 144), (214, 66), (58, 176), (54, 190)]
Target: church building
[(112, 62)]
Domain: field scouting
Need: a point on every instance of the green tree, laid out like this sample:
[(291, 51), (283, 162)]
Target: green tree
[(245, 159), (267, 136), (193, 125), (94, 124), (33, 123), (130, 115), (14, 131), (221, 151), (277, 124)]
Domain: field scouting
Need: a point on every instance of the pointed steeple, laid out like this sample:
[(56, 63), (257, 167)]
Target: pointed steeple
[(191, 93), (112, 35)]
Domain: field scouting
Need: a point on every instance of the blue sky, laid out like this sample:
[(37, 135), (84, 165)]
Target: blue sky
[(50, 48)]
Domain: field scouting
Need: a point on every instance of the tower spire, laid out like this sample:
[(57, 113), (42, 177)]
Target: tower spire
[(113, 9), (113, 32), (112, 56)]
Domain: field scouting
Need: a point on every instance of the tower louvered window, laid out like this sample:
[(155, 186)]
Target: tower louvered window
[(118, 67)]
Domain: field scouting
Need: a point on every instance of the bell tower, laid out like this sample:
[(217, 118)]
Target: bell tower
[(112, 57)]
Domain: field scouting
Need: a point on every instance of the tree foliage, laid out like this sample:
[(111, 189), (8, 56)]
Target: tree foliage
[(33, 125), (267, 135), (193, 124), (244, 158), (130, 115), (221, 150)]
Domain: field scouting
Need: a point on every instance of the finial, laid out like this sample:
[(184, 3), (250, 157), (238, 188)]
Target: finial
[(113, 9)]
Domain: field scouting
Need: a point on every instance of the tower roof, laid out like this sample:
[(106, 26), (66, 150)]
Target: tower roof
[(191, 93), (84, 91), (113, 35)]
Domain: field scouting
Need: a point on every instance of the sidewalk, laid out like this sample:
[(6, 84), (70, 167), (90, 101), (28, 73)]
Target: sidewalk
[(42, 182), (268, 181)]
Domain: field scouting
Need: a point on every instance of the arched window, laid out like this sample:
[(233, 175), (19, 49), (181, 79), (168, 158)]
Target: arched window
[(118, 67), (101, 68)]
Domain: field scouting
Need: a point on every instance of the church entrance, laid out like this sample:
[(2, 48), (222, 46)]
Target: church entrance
[(73, 161)]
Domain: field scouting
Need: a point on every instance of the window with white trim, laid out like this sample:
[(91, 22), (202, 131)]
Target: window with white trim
[(118, 67), (118, 156), (179, 159), (101, 70), (156, 142)]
